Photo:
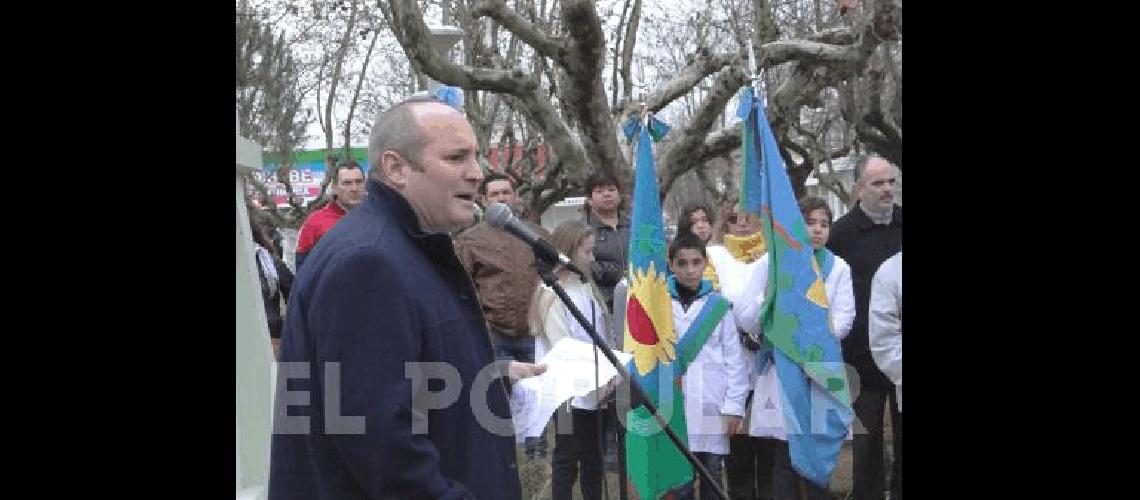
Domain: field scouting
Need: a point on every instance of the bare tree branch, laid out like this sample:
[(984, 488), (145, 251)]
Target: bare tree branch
[(832, 184), (617, 55), (880, 144), (815, 148), (627, 51), (788, 146), (584, 94), (320, 79), (338, 65), (719, 143), (706, 182), (736, 24), (681, 156), (414, 36), (699, 69), (891, 131), (835, 36), (560, 93), (550, 197), (553, 188), (356, 94), (806, 51), (277, 218), (541, 113), (878, 116), (768, 55), (766, 29), (828, 180), (553, 48)]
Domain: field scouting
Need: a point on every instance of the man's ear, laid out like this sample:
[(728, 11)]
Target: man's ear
[(395, 168)]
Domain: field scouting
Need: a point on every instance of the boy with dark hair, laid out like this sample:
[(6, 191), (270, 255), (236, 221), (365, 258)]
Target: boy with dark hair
[(715, 383)]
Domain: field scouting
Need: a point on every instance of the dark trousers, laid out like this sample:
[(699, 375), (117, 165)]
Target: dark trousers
[(787, 484), (519, 348), (614, 427), (577, 448), (715, 465), (868, 447), (749, 467)]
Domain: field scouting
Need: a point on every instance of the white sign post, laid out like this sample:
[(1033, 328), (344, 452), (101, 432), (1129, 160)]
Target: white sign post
[(255, 370)]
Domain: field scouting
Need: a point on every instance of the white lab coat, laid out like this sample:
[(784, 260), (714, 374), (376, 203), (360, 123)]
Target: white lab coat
[(716, 383), (884, 323), (767, 417), (732, 274), (558, 323)]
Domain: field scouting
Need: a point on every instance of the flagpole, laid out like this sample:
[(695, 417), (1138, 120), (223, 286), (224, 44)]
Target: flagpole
[(774, 194), (637, 138), (758, 94), (623, 476), (754, 71), (754, 84), (638, 394)]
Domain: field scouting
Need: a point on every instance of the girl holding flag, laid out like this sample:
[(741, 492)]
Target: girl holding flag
[(767, 418)]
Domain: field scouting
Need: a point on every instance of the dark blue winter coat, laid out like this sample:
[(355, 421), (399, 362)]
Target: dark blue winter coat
[(378, 293)]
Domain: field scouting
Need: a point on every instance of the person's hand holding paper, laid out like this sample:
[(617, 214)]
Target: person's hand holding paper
[(570, 372)]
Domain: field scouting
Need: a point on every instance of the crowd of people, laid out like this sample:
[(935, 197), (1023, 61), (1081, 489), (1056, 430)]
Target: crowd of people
[(405, 313)]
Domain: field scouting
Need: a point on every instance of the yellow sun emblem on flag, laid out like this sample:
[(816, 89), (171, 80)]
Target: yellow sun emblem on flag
[(817, 294), (649, 333)]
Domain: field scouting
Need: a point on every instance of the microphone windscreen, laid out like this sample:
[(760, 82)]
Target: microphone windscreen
[(498, 214)]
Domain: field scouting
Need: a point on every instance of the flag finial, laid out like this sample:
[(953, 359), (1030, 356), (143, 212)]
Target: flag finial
[(753, 69)]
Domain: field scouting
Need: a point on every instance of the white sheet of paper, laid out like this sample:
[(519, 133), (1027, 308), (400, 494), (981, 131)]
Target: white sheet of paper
[(569, 373)]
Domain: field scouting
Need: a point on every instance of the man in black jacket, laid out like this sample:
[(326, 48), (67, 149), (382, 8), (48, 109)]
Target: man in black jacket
[(388, 386), (865, 237)]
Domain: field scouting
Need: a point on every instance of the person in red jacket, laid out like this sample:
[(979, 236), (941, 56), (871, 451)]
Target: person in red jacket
[(348, 192)]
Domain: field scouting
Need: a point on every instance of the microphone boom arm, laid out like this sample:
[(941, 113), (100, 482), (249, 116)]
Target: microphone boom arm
[(639, 395)]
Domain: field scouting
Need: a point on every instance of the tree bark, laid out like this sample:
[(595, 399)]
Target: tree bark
[(356, 96), (338, 65)]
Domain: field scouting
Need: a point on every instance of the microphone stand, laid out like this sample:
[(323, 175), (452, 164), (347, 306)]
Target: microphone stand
[(547, 274)]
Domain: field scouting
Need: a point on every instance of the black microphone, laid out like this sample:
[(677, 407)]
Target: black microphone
[(499, 216)]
